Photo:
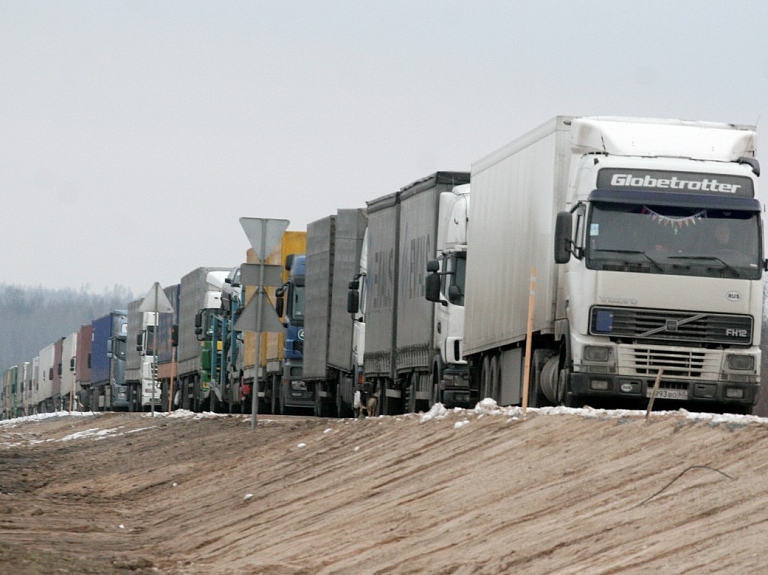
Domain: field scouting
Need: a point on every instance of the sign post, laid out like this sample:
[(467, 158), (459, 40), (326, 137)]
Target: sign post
[(155, 301), (263, 234)]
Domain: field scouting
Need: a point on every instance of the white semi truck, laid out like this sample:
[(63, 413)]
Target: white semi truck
[(401, 347), (657, 267), (445, 286)]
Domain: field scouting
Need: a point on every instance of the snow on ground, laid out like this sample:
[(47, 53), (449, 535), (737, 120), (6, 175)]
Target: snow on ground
[(485, 408)]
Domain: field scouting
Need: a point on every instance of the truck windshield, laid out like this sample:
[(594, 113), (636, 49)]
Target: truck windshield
[(673, 240), (296, 304), (454, 281)]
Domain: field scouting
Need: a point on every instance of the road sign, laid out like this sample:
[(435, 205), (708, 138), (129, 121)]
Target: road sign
[(264, 234), (248, 318), (249, 275), (156, 301)]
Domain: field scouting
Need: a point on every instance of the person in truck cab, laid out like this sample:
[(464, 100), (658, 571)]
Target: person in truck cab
[(723, 235)]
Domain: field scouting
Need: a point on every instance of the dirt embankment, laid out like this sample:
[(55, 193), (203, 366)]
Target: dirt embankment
[(461, 493)]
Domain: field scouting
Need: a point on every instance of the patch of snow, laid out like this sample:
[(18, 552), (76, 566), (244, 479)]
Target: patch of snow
[(438, 411)]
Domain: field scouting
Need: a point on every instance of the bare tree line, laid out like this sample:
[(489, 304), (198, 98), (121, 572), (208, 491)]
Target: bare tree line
[(33, 317)]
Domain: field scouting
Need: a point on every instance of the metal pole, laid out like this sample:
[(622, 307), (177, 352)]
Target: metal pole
[(260, 302), (154, 349), (170, 379)]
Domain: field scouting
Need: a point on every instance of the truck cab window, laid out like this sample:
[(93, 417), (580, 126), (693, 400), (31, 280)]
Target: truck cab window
[(296, 303), (673, 240)]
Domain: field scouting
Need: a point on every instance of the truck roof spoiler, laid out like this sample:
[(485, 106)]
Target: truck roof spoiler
[(750, 162)]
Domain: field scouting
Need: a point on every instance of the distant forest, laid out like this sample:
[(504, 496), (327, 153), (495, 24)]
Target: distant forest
[(33, 317)]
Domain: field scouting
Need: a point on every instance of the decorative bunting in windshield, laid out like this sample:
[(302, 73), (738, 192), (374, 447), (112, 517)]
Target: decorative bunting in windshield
[(675, 223)]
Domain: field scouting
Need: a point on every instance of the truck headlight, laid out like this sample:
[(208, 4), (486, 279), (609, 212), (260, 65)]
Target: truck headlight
[(740, 362), (734, 393), (596, 353)]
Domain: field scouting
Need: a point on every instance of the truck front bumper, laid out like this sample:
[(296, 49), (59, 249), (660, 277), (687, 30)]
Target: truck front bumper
[(681, 390), (456, 392)]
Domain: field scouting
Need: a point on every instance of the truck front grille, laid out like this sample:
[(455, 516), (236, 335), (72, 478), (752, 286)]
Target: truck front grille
[(647, 361), (671, 325)]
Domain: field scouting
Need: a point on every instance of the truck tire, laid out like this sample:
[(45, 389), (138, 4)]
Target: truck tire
[(536, 397)]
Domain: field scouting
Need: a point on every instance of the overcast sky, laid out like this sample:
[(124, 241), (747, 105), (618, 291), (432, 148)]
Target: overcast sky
[(135, 134)]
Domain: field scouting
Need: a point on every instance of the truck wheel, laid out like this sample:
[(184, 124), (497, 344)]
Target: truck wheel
[(536, 397), (548, 381)]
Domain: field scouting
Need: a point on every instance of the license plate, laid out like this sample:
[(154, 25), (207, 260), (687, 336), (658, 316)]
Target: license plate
[(668, 393)]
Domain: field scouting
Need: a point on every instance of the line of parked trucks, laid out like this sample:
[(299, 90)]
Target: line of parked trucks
[(611, 228)]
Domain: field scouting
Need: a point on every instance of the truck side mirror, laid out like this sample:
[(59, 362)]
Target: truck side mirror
[(563, 230), (433, 266), (432, 288), (280, 305), (353, 299), (139, 342)]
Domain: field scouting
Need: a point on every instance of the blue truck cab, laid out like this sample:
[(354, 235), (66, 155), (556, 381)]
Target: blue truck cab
[(294, 392)]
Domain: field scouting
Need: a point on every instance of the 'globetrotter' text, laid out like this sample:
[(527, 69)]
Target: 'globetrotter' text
[(673, 183)]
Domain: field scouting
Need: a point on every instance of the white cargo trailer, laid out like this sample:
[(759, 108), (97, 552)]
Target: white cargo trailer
[(399, 337), (643, 289), (334, 246)]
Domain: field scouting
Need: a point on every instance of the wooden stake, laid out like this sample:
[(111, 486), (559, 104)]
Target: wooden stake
[(528, 336), (653, 394)]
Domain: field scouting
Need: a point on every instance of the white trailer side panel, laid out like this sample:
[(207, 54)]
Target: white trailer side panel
[(516, 194), (319, 275), (380, 284), (132, 355), (350, 229)]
